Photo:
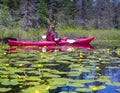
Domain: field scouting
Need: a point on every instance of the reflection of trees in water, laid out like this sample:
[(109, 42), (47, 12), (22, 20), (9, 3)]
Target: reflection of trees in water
[(97, 83), (114, 73)]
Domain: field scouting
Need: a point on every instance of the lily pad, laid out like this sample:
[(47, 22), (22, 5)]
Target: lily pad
[(51, 64), (83, 90), (84, 81), (74, 73), (113, 83), (66, 92), (5, 89), (118, 90), (75, 85), (36, 89), (112, 67), (104, 79), (9, 82), (32, 83), (75, 66), (33, 78)]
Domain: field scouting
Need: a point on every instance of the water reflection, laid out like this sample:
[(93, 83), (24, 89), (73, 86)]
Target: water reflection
[(108, 89), (52, 48), (112, 70)]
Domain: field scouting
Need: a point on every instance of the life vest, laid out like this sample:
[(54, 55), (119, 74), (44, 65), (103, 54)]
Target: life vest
[(49, 37)]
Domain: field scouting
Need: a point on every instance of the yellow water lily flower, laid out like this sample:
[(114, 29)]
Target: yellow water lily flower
[(5, 53), (118, 52), (97, 68), (40, 65), (41, 54), (108, 50), (19, 77), (47, 88), (20, 86), (81, 56), (103, 50), (81, 53), (20, 65), (7, 65), (94, 52), (94, 88), (100, 59), (37, 91)]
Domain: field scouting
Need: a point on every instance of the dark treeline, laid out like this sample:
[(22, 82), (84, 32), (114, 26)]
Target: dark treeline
[(98, 14)]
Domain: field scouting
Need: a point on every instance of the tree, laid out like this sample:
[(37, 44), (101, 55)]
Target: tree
[(57, 11), (116, 17), (100, 14), (8, 13), (82, 12), (28, 11), (42, 13), (104, 14)]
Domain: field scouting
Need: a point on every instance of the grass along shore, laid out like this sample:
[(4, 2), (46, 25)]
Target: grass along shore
[(102, 37)]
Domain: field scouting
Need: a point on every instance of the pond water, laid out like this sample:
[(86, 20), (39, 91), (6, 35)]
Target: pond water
[(75, 71), (114, 73)]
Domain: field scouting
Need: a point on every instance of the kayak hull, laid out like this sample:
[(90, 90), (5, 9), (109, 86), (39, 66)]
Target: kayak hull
[(61, 42), (82, 41), (40, 44)]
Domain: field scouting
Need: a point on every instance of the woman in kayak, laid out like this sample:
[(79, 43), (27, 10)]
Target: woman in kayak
[(51, 35)]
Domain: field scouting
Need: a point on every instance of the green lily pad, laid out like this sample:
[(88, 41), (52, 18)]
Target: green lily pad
[(59, 81), (74, 73), (32, 83), (75, 66), (113, 83), (64, 62), (50, 76), (112, 67), (57, 72), (51, 64), (84, 81), (66, 92), (9, 82), (36, 89), (75, 85), (83, 90), (43, 61), (63, 92), (104, 79), (118, 90), (33, 78), (5, 89), (74, 60)]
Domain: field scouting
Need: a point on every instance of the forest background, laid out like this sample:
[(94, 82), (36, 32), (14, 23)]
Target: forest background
[(29, 19)]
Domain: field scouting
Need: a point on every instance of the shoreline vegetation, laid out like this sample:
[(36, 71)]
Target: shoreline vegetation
[(102, 37)]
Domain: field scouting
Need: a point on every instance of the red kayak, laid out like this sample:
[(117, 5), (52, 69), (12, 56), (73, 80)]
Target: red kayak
[(60, 42)]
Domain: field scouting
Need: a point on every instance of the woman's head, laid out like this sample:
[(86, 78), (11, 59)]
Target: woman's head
[(51, 28)]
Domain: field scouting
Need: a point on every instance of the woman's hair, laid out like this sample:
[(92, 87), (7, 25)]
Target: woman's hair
[(51, 28)]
